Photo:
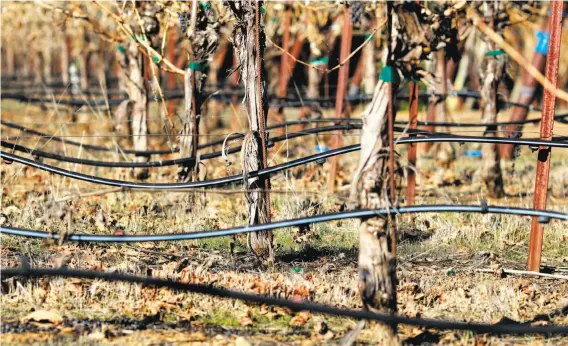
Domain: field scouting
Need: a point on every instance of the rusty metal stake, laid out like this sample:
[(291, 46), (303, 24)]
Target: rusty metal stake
[(283, 82), (341, 86), (284, 68), (261, 118), (171, 77), (440, 88), (546, 126), (413, 121)]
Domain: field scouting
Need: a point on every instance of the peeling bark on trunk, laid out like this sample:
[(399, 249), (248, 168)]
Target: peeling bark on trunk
[(190, 127), (204, 41), (491, 72), (370, 186), (377, 266), (138, 98), (258, 202)]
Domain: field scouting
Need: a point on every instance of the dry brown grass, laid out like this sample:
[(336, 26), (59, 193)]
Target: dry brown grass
[(320, 266)]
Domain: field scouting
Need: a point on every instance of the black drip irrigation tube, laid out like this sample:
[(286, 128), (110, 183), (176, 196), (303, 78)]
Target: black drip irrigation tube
[(207, 289), (165, 186), (162, 163), (85, 146), (228, 97), (532, 143), (543, 215)]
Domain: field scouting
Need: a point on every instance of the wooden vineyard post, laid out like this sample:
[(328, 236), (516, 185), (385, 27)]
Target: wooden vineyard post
[(340, 96), (546, 127), (413, 121)]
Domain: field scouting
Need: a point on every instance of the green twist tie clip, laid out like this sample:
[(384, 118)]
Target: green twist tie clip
[(195, 66), (320, 61), (205, 5), (143, 37), (389, 74), (369, 35), (262, 9), (156, 59), (121, 49), (495, 52), (133, 37)]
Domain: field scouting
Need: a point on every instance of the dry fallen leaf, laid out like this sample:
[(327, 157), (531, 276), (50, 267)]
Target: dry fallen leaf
[(240, 341), (301, 318), (246, 321), (44, 316)]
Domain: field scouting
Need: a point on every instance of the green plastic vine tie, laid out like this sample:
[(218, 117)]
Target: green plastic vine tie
[(389, 74), (495, 52), (195, 66), (205, 5), (320, 61)]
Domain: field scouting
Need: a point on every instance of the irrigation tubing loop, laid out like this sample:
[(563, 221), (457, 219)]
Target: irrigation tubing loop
[(278, 101), (543, 215), (532, 143)]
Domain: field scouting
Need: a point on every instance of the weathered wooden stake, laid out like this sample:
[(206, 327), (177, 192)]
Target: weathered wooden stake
[(343, 74), (546, 126)]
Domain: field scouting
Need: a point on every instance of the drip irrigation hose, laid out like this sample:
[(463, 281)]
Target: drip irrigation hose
[(544, 215), (437, 137), (208, 289)]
